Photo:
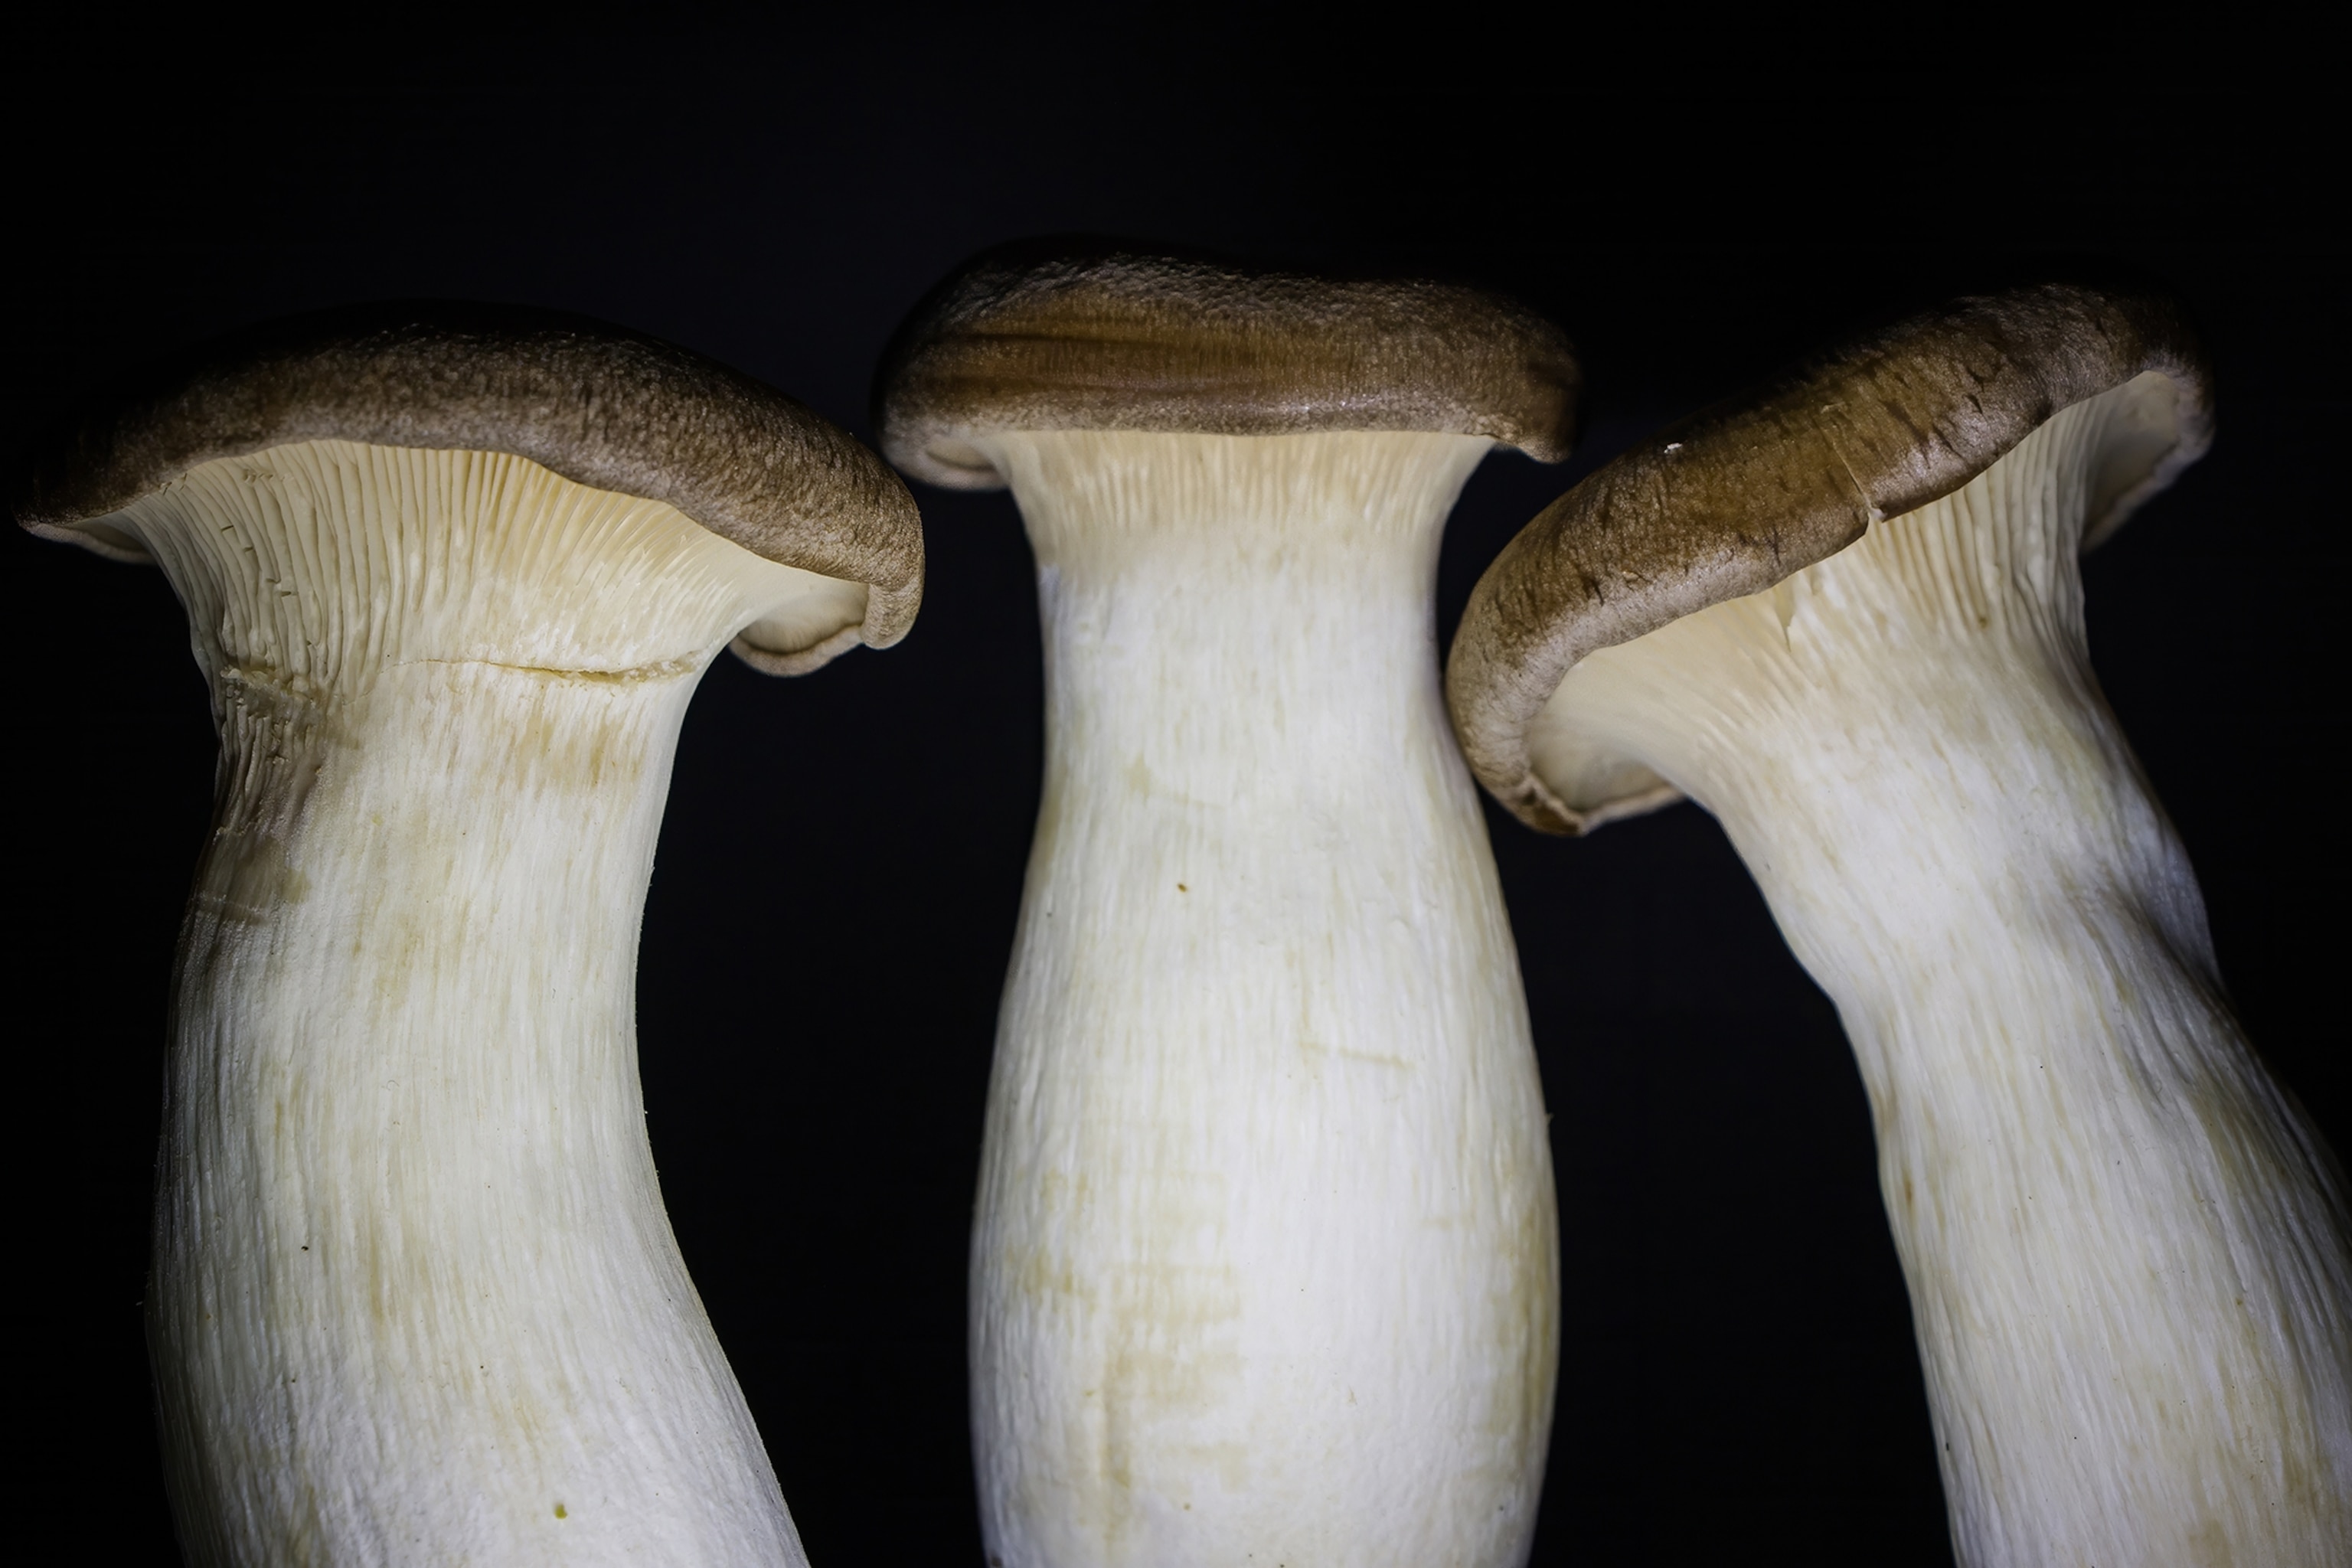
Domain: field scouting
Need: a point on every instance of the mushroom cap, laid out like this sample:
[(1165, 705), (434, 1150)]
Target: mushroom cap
[(1737, 496), (1081, 337), (591, 401)]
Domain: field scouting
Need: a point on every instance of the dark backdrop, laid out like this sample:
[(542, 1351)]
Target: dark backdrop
[(838, 878)]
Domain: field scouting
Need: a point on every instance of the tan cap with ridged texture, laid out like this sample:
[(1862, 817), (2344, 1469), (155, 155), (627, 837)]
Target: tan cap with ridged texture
[(1733, 498), (597, 404), (1084, 338)]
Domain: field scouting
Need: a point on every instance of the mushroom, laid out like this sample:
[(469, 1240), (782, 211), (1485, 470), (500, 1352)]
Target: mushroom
[(2126, 1250), (1265, 1261), (452, 574)]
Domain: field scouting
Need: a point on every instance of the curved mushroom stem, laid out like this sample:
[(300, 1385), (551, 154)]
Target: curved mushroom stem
[(414, 1295), (1265, 1266), (2126, 1253)]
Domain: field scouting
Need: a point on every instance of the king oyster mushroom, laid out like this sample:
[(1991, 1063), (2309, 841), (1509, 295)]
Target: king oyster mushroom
[(1844, 614), (452, 574), (1265, 1267)]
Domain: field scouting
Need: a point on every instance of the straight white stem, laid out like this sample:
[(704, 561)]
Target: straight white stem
[(1266, 1262), (415, 1296), (2126, 1252)]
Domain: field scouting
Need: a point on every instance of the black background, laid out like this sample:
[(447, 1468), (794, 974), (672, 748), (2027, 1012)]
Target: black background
[(841, 865)]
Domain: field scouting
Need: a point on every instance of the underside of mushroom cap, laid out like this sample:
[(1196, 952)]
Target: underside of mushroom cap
[(1088, 338), (588, 401), (1733, 498)]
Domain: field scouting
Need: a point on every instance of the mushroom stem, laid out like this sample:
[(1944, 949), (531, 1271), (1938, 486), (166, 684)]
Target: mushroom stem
[(1265, 1267), (414, 1295), (2126, 1253)]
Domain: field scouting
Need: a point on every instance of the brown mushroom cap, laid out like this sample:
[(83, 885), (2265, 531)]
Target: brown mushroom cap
[(1088, 340), (1737, 496), (594, 403)]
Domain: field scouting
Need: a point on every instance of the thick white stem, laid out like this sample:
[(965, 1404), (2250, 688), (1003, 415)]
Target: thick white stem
[(1266, 1262), (2127, 1254), (415, 1298)]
